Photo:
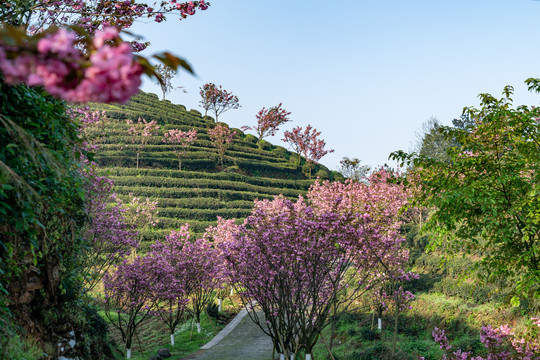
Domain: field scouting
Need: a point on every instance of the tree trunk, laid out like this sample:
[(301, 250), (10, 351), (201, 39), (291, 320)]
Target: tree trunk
[(172, 339), (396, 313), (137, 159), (199, 327), (128, 353)]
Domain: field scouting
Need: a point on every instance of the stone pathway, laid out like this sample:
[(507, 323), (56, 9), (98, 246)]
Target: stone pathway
[(241, 339)]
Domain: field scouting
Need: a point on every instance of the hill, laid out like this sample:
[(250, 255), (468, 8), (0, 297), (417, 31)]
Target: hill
[(203, 189)]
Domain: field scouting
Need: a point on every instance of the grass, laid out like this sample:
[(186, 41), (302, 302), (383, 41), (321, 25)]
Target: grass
[(356, 340), (153, 334)]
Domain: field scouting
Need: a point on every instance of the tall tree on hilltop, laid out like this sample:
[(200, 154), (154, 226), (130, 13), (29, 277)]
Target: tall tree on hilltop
[(166, 74), (217, 99), (268, 121)]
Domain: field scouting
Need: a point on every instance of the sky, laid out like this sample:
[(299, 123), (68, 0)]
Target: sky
[(366, 74)]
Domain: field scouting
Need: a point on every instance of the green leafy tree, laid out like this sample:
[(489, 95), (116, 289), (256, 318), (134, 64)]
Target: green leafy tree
[(352, 169), (166, 74), (432, 142), (485, 200)]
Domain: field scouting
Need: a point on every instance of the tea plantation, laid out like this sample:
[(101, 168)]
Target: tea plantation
[(203, 189)]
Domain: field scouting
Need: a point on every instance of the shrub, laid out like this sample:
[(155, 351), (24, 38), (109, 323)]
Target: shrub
[(250, 138), (280, 151), (265, 145), (368, 334), (322, 174), (336, 176), (212, 310)]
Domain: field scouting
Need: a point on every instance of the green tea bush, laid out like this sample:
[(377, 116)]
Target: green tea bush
[(250, 139), (281, 152), (151, 181), (322, 174), (203, 214), (261, 181)]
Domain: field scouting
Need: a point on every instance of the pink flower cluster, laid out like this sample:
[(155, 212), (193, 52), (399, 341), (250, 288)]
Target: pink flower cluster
[(182, 138), (501, 342), (221, 137), (110, 74), (307, 143), (94, 15), (268, 121)]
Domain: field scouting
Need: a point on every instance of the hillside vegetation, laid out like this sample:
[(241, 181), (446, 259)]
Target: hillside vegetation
[(203, 189)]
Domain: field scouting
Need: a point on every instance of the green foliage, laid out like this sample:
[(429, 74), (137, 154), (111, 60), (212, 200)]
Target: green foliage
[(264, 145), (322, 174), (485, 197), (212, 310), (16, 347), (260, 181), (150, 181), (280, 152), (337, 176)]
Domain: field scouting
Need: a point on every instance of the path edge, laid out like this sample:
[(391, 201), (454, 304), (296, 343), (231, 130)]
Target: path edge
[(227, 330)]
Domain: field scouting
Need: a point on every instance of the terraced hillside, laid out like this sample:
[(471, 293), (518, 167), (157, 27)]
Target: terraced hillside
[(202, 190)]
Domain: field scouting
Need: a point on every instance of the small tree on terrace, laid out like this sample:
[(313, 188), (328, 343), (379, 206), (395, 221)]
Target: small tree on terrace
[(268, 121), (221, 137), (307, 143), (182, 138), (140, 133), (217, 99)]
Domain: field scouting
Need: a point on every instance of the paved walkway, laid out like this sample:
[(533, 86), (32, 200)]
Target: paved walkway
[(241, 339)]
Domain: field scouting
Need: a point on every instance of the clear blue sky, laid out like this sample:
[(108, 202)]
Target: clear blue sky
[(367, 74)]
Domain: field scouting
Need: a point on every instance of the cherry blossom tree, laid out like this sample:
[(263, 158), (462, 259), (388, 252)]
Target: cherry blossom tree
[(293, 260), (382, 198), (182, 138), (221, 235), (207, 92), (221, 137), (204, 270), (141, 132), (107, 236), (84, 59), (268, 121), (174, 286), (307, 143), (217, 99), (130, 296), (501, 343), (92, 126)]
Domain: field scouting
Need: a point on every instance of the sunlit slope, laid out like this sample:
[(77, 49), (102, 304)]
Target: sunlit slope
[(202, 190)]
